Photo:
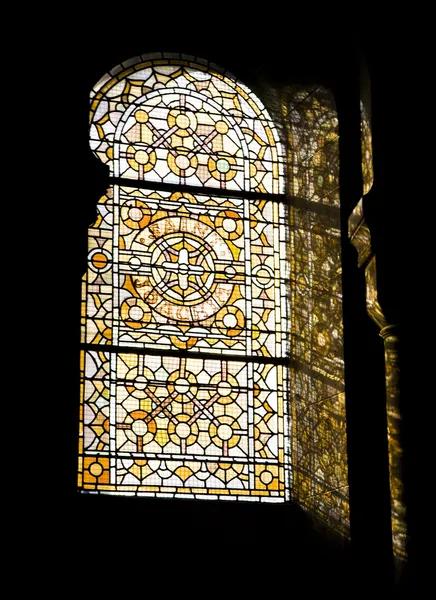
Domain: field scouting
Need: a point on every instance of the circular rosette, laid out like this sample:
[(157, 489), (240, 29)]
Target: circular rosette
[(182, 162), (141, 159), (135, 313), (267, 477), (182, 386), (263, 276), (184, 284), (183, 268), (184, 121), (227, 432), (96, 469), (183, 432), (138, 429), (135, 214), (229, 224), (227, 389), (99, 260), (137, 381), (222, 166), (230, 321)]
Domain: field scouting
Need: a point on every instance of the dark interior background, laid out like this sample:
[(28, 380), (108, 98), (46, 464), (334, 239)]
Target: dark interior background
[(263, 548)]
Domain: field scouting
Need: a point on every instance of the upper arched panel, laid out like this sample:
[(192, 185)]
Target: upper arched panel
[(180, 120)]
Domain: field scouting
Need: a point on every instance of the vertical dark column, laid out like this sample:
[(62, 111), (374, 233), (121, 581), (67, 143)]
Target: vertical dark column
[(63, 195), (383, 209), (364, 365)]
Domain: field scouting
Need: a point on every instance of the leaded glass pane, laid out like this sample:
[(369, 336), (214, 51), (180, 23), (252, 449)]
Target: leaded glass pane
[(184, 271), (185, 299), (165, 425)]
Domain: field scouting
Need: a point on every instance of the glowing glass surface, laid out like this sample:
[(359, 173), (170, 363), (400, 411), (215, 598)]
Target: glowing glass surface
[(197, 279)]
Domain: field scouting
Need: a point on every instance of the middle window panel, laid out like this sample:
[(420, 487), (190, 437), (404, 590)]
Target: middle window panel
[(189, 272)]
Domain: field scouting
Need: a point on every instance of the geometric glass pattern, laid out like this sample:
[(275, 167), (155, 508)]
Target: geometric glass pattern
[(180, 122), (189, 272), (161, 425), (184, 372)]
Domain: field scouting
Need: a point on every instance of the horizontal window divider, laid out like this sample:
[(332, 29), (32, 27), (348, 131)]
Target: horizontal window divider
[(285, 361), (196, 189), (302, 203)]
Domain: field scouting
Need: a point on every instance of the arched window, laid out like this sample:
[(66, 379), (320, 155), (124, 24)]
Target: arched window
[(211, 340), (185, 304)]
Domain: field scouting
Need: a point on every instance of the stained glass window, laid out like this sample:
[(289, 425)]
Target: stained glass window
[(185, 300)]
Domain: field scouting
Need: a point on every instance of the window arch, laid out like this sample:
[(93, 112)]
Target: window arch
[(185, 305), (240, 131)]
